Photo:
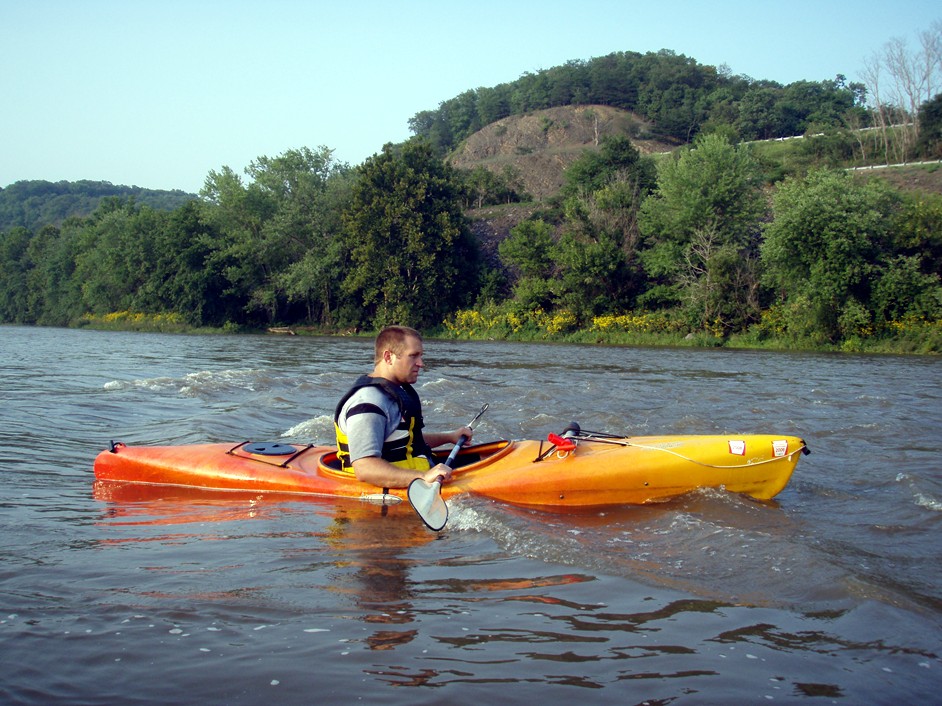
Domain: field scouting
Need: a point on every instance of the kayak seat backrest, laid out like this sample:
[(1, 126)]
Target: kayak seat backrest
[(331, 461)]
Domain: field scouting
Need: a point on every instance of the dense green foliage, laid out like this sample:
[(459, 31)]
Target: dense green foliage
[(592, 267), (930, 128), (679, 96), (276, 248), (33, 204), (841, 263), (304, 241), (691, 247), (411, 257)]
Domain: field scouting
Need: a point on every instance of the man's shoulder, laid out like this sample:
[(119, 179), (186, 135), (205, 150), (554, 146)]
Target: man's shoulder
[(373, 395)]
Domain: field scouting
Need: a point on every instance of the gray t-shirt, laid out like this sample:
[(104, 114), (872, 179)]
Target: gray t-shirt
[(367, 431)]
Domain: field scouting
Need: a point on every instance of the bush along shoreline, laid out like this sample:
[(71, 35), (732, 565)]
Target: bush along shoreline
[(644, 330)]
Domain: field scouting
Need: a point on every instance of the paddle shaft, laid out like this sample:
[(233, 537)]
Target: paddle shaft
[(462, 439), (454, 452)]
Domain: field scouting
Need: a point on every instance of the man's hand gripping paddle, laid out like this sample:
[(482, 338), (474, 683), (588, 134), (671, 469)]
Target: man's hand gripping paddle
[(426, 498)]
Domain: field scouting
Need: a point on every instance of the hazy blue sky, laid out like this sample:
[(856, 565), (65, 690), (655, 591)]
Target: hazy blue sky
[(158, 93)]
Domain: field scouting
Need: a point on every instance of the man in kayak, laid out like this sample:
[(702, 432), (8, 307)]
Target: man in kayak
[(379, 421)]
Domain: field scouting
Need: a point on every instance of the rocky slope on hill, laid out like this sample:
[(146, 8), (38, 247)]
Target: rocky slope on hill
[(539, 146)]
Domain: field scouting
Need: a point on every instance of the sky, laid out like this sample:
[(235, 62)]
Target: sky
[(159, 93)]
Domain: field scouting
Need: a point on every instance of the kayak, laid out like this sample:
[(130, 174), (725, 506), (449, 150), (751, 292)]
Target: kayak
[(580, 470)]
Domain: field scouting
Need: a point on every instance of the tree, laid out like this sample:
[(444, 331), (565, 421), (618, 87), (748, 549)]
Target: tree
[(599, 270), (917, 229), (598, 251), (186, 281), (14, 275), (116, 260), (308, 190), (593, 267), (529, 249), (720, 282), (411, 256), (913, 78), (616, 158), (673, 92), (493, 103), (280, 217), (55, 297), (314, 280), (902, 290), (701, 229), (595, 274), (483, 187), (529, 252), (756, 119), (930, 128), (231, 211), (822, 248)]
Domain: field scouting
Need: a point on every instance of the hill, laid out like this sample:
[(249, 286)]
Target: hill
[(33, 204), (539, 146)]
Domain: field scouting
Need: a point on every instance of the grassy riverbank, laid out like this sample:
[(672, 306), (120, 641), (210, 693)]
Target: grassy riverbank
[(925, 341), (647, 330)]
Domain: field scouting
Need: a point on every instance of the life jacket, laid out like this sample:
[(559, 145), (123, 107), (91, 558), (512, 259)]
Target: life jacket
[(405, 447)]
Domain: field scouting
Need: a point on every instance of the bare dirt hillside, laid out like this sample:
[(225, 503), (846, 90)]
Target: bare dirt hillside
[(540, 145), (927, 178)]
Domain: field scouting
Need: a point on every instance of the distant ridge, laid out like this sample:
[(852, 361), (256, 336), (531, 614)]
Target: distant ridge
[(34, 204)]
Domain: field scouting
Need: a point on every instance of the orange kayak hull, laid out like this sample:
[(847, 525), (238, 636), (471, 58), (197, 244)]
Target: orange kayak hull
[(596, 473)]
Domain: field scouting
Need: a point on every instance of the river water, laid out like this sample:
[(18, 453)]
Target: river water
[(830, 594)]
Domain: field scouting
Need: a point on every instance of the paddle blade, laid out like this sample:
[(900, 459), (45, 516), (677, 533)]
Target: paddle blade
[(427, 500)]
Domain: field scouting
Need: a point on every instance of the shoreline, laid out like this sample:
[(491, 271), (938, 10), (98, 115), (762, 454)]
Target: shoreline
[(909, 346)]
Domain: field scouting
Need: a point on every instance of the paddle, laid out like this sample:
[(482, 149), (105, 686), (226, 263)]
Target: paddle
[(426, 498)]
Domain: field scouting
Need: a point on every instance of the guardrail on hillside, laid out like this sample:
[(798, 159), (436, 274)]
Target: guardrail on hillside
[(898, 164)]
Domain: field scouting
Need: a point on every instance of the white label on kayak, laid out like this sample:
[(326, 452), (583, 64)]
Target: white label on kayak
[(780, 448), (381, 499), (737, 446)]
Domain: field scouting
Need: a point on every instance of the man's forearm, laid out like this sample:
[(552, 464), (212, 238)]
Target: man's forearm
[(437, 438), (383, 474)]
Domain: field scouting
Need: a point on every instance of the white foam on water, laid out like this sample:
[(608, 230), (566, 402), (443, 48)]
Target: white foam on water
[(314, 430), (193, 384), (920, 496)]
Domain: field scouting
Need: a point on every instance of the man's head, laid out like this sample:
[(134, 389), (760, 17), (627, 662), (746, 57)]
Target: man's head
[(398, 354)]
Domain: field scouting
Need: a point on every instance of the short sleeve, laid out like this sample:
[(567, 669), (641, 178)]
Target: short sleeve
[(368, 418)]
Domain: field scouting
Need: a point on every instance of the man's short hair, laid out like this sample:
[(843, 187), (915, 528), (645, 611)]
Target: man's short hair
[(393, 338)]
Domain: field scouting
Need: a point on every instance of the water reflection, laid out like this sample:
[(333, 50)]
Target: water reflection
[(373, 546), (367, 542)]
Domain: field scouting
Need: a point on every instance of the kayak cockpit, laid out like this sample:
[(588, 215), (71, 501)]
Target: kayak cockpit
[(469, 457)]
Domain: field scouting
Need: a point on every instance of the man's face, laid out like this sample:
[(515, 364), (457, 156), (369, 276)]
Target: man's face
[(406, 365)]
